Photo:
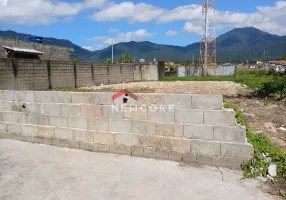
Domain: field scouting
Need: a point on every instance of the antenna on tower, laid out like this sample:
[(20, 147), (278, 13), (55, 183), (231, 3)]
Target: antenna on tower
[(208, 37)]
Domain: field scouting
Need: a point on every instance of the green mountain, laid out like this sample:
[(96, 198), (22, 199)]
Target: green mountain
[(237, 44)]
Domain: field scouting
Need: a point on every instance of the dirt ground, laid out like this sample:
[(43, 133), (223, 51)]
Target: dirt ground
[(261, 117), (264, 117), (192, 87)]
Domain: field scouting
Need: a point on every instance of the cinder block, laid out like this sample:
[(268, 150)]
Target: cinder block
[(81, 98), (30, 130), (1, 116), (74, 144), (112, 111), (189, 116), (101, 98), (230, 134), (37, 119), (3, 127), (56, 142), (243, 151), (137, 151), (44, 97), (180, 145), (30, 139), (85, 145), (104, 148), (150, 141), (46, 131), (98, 124), (189, 158), (160, 154), (199, 132), (207, 102), (62, 97), (175, 156), (78, 122), (232, 163), (51, 109), (126, 139), (150, 99), (65, 143), (15, 128), (103, 137), (47, 141), (91, 110), (170, 129), (26, 107), (13, 117), (70, 110), (24, 96), (157, 115), (120, 149), (208, 148), (83, 135), (39, 140), (58, 121), (149, 152), (5, 135), (204, 160), (135, 113), (64, 133), (5, 106), (144, 127), (122, 126), (219, 117), (7, 95), (179, 101)]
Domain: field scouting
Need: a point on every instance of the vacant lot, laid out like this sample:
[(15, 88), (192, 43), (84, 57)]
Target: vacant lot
[(33, 171)]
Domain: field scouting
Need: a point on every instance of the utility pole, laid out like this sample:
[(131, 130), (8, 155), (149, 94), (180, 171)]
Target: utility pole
[(193, 59), (112, 52), (208, 36)]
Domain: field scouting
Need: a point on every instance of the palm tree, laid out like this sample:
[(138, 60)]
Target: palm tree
[(108, 61), (125, 58)]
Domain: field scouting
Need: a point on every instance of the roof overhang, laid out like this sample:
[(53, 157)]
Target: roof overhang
[(22, 50)]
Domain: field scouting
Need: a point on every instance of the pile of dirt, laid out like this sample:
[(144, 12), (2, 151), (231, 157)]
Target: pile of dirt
[(193, 87)]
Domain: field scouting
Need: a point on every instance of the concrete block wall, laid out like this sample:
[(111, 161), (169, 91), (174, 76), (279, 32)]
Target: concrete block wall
[(180, 127), (51, 52), (18, 74)]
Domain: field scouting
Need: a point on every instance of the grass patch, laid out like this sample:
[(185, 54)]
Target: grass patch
[(253, 79), (258, 165), (133, 90)]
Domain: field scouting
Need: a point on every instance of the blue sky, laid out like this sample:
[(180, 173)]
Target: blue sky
[(92, 23)]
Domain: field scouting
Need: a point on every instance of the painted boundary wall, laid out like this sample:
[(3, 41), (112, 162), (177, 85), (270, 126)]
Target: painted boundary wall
[(196, 130), (17, 74)]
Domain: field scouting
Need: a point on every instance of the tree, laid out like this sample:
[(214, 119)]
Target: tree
[(125, 58), (282, 57), (108, 61)]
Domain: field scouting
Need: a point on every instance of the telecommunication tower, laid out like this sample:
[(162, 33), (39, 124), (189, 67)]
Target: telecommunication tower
[(208, 37)]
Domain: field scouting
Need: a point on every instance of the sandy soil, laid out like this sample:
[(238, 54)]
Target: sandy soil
[(194, 87), (267, 118)]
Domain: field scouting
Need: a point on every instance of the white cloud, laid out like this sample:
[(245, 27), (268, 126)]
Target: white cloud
[(138, 35), (191, 28), (88, 48), (129, 11), (97, 38), (171, 33), (42, 12), (112, 30), (182, 13)]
